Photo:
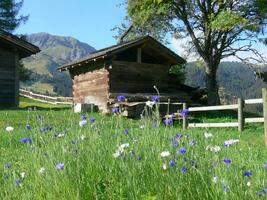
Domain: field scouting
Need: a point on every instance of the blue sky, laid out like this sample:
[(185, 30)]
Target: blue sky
[(89, 21)]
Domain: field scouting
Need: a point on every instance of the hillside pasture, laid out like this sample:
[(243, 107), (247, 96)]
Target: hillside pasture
[(49, 155)]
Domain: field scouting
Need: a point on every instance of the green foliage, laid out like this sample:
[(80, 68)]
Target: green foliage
[(179, 72), (24, 73), (9, 11)]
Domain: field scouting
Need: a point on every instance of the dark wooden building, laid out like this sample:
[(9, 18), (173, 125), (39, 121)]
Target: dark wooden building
[(131, 69), (12, 49)]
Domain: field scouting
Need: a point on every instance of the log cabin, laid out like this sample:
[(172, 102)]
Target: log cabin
[(131, 69), (12, 49)]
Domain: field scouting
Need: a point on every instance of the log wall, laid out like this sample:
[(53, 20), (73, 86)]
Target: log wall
[(8, 78), (92, 88)]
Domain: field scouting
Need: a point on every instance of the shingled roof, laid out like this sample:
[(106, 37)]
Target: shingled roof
[(110, 51), (25, 48)]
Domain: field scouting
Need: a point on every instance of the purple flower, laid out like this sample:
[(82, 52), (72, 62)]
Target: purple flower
[(184, 112), (27, 127), (247, 173), (54, 136), (83, 117), (172, 163), (265, 165), (155, 98), (176, 139), (115, 110), (139, 157), (92, 119), (17, 181), (168, 121), (60, 166), (7, 166), (26, 140), (183, 168), (262, 192), (121, 98), (126, 131), (182, 150), (227, 160)]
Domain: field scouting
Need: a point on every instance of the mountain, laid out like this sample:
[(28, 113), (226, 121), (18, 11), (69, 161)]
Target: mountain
[(55, 51)]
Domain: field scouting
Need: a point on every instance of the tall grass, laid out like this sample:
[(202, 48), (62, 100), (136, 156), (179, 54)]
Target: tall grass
[(92, 172)]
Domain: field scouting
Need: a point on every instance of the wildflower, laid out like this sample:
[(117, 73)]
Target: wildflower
[(27, 127), (60, 166), (165, 154), (92, 120), (132, 153), (172, 163), (262, 192), (23, 175), (41, 170), (208, 135), (115, 109), (150, 103), (183, 168), (168, 121), (230, 142), (164, 166), (9, 129), (121, 98), (82, 123), (139, 157), (26, 140), (126, 131), (82, 137), (227, 160), (215, 179), (83, 117), (214, 149), (61, 135), (182, 150), (249, 184), (224, 186), (120, 150), (7, 166), (117, 154), (142, 126), (123, 146), (247, 173), (176, 139), (54, 136), (184, 112), (265, 165), (155, 98), (192, 142)]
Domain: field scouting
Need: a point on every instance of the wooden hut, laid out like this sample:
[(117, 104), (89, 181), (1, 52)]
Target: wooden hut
[(12, 49), (131, 69)]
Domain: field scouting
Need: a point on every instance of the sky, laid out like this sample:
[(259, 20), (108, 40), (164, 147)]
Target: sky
[(89, 21)]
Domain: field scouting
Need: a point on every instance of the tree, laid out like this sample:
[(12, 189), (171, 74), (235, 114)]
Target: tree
[(216, 28), (9, 19)]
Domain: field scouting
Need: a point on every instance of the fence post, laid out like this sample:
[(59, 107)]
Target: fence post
[(241, 120), (185, 123), (264, 98)]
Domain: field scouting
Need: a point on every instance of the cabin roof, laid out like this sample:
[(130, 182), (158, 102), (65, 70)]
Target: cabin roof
[(112, 50), (25, 48)]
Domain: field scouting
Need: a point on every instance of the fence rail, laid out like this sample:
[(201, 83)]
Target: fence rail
[(241, 120), (46, 99)]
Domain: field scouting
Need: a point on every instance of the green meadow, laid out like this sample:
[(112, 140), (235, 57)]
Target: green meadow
[(49, 155)]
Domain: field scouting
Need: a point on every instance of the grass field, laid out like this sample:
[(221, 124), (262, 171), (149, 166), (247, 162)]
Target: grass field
[(55, 158)]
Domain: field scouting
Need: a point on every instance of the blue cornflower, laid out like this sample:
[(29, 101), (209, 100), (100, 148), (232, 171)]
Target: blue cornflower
[(176, 139), (265, 165), (262, 192), (172, 163), (183, 168), (182, 150), (17, 181), (227, 160), (139, 157), (7, 166), (121, 98), (184, 112), (168, 121), (60, 166), (27, 127), (192, 142), (54, 136), (132, 153), (83, 117), (126, 131), (92, 119), (115, 109), (26, 140), (247, 173), (155, 98), (43, 129)]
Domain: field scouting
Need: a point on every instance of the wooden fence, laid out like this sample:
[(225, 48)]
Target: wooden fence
[(241, 121), (46, 99)]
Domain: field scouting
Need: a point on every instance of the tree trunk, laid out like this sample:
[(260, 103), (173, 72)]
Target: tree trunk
[(211, 85)]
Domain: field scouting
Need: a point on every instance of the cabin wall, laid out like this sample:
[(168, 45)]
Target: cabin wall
[(8, 78), (91, 87), (133, 77)]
